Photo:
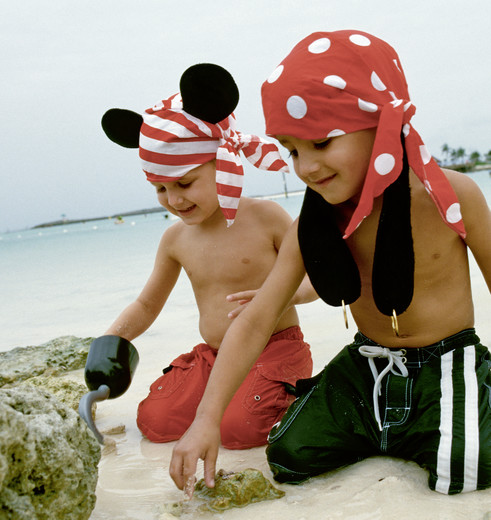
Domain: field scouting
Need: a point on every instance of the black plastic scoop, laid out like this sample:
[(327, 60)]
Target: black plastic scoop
[(109, 369)]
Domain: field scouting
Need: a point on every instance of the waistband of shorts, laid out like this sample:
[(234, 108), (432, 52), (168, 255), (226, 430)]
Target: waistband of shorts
[(416, 356), (293, 333)]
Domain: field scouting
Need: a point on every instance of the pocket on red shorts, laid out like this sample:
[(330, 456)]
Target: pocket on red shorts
[(175, 376), (266, 391)]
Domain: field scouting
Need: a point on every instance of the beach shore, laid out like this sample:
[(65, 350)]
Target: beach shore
[(134, 483)]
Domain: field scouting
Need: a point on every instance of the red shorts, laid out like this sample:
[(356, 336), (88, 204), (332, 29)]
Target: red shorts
[(258, 404)]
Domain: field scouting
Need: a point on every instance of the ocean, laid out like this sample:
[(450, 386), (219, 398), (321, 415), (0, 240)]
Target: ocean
[(75, 279)]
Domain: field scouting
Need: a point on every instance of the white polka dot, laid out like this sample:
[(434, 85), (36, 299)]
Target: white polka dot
[(319, 46), (397, 65), (377, 83), (425, 154), (336, 132), (296, 107), (335, 81), (407, 105), (384, 163), (366, 106), (360, 40), (396, 102), (276, 74), (405, 129), (453, 213), (428, 186)]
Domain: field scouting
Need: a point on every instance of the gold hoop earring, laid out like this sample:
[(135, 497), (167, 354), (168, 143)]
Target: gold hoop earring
[(345, 314), (395, 323)]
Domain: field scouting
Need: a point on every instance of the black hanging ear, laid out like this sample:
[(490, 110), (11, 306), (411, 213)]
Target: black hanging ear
[(393, 262), (208, 92), (326, 256), (122, 127)]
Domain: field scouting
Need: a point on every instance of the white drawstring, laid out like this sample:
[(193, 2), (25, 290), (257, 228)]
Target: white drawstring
[(395, 357)]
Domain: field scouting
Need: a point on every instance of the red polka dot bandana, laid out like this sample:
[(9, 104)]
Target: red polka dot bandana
[(173, 142), (335, 83)]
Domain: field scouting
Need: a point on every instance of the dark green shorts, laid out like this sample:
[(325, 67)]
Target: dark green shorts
[(438, 414)]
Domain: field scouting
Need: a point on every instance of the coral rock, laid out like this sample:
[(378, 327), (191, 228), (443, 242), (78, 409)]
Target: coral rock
[(52, 358), (48, 458), (236, 490)]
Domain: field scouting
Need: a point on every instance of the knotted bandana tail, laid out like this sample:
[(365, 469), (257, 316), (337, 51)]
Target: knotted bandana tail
[(173, 142)]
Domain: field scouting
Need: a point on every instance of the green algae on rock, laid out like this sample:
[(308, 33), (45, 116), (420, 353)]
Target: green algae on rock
[(65, 390), (236, 490)]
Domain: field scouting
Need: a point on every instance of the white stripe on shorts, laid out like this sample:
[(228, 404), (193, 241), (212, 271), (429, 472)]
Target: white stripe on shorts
[(471, 453), (446, 424), (471, 421)]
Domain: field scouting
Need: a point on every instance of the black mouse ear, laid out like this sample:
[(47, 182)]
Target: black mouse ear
[(208, 92), (122, 127)]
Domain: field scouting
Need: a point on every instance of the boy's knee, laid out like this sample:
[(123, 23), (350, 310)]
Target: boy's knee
[(285, 466), (161, 423)]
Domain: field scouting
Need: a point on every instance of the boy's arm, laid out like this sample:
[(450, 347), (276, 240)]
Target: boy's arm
[(139, 315), (477, 221), (244, 341)]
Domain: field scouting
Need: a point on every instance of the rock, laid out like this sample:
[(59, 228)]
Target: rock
[(236, 490), (48, 458), (65, 390), (52, 358)]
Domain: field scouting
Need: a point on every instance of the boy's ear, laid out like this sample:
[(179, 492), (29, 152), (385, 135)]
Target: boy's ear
[(122, 127), (208, 92)]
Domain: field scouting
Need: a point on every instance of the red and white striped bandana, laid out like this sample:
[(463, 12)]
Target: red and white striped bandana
[(335, 83), (173, 142)]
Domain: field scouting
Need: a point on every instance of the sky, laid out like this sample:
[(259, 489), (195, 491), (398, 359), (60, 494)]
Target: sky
[(64, 63)]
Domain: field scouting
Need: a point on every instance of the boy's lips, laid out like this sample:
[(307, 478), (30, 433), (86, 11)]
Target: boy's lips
[(325, 180), (187, 211)]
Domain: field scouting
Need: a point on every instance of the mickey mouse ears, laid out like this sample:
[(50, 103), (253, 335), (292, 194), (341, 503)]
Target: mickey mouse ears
[(208, 92)]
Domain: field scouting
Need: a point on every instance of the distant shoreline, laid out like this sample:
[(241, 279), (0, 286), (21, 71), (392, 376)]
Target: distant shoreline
[(64, 222), (148, 211)]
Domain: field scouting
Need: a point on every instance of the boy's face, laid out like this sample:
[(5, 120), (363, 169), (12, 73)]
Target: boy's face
[(333, 167), (193, 197)]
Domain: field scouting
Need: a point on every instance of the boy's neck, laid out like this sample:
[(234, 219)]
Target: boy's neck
[(345, 210)]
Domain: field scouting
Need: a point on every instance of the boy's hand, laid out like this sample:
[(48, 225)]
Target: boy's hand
[(201, 441), (243, 298)]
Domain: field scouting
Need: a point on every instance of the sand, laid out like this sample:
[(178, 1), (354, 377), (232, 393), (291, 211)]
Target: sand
[(134, 482)]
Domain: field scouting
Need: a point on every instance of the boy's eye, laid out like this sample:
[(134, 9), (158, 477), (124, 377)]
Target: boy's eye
[(184, 184), (293, 153), (319, 145), (160, 189)]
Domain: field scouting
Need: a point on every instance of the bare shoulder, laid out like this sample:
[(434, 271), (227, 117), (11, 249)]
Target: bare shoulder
[(464, 185), (170, 239), (266, 210), (473, 204)]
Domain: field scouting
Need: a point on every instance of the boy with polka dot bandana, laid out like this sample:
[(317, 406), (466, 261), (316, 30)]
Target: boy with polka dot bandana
[(384, 230)]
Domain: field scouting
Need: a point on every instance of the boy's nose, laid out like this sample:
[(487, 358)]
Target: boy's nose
[(174, 198), (307, 164)]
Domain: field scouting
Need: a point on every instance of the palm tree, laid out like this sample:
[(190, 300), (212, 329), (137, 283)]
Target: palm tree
[(446, 152), (474, 158)]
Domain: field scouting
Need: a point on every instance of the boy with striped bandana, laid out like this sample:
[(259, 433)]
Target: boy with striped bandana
[(190, 152), (386, 231)]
